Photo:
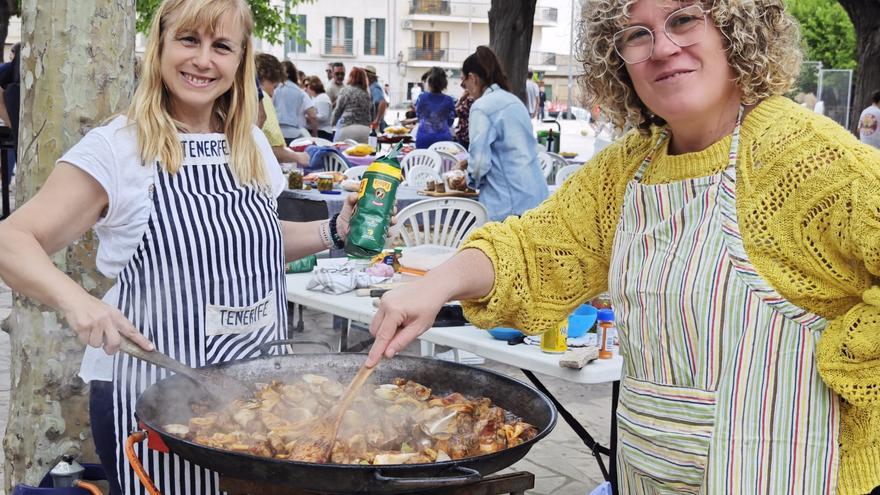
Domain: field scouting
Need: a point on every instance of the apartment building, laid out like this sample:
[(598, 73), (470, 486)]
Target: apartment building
[(401, 38)]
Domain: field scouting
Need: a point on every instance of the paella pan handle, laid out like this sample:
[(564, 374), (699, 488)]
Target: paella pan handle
[(264, 348), (468, 476)]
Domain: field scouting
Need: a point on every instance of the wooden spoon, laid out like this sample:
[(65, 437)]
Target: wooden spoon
[(219, 385), (317, 445)]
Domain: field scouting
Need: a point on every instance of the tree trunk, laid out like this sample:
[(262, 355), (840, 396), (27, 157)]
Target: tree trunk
[(865, 16), (77, 69), (510, 36)]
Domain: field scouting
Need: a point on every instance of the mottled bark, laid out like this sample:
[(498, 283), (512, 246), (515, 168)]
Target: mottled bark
[(865, 16), (510, 36), (76, 71)]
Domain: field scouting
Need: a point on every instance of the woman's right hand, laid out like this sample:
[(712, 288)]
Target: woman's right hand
[(98, 324), (403, 315)]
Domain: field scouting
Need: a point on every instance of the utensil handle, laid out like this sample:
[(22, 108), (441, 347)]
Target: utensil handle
[(157, 358), (468, 476)]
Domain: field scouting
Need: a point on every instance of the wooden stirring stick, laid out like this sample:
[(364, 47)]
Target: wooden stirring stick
[(317, 445)]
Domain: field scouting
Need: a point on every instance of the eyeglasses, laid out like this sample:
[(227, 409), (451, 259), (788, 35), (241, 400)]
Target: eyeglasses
[(684, 27), (339, 74)]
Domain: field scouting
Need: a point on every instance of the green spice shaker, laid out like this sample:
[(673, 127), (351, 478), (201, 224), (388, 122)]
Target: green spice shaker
[(302, 265), (369, 225)]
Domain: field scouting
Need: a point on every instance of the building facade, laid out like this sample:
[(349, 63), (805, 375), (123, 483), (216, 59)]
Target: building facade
[(401, 38)]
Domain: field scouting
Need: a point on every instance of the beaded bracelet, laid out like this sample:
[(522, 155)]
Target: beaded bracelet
[(324, 233), (338, 243)]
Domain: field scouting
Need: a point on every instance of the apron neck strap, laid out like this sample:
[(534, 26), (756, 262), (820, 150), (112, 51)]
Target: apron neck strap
[(664, 134)]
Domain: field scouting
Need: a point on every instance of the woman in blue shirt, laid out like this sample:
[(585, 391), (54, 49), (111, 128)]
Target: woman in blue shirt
[(503, 154), (435, 111)]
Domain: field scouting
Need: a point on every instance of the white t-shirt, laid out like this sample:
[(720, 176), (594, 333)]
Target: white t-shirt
[(324, 111), (109, 154), (869, 126)]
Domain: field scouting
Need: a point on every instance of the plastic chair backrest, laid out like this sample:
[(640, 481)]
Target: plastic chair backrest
[(334, 163), (418, 176), (550, 163), (351, 142), (564, 173), (439, 221), (421, 157), (356, 172), (450, 147), (447, 160)]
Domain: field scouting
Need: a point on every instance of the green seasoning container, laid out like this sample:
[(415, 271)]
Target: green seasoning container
[(369, 225)]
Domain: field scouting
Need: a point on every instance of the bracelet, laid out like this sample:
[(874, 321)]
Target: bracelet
[(324, 233), (338, 243)]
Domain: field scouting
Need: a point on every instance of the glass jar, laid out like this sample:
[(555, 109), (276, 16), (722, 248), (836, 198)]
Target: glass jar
[(295, 179), (325, 182)]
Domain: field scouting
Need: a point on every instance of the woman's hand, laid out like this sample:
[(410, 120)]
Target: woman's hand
[(404, 314), (98, 324), (343, 222)]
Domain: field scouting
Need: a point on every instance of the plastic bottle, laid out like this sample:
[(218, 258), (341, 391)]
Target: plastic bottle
[(554, 341), (606, 333), (369, 225)]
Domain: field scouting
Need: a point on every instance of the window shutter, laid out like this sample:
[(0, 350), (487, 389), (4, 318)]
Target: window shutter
[(328, 33), (380, 36), (367, 38), (301, 31), (349, 34)]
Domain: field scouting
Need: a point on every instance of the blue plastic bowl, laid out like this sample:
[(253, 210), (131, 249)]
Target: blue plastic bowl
[(503, 333), (581, 320)]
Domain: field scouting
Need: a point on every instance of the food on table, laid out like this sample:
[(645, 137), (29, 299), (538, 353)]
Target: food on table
[(395, 423), (568, 154), (359, 150), (295, 179), (325, 182), (396, 130), (314, 176), (456, 180)]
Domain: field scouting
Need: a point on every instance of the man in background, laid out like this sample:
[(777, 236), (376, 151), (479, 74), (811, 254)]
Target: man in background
[(869, 122), (377, 96), (532, 95), (337, 83)]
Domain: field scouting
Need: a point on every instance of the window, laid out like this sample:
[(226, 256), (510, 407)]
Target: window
[(338, 35), (428, 46), (296, 44), (374, 36)]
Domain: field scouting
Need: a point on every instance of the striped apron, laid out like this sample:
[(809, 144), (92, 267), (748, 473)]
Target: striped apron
[(212, 252), (720, 393)]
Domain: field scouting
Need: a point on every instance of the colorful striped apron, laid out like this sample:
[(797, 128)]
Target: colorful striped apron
[(210, 243), (720, 393)]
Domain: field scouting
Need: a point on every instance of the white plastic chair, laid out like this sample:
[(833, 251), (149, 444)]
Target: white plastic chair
[(439, 221), (321, 141), (450, 147), (447, 161), (351, 142), (564, 173), (550, 163), (427, 158), (301, 142), (334, 163), (355, 173), (418, 176)]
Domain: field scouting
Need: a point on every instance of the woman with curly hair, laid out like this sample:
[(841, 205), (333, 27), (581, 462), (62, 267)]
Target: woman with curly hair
[(739, 237)]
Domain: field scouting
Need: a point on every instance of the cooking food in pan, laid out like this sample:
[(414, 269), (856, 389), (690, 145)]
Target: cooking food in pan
[(395, 423)]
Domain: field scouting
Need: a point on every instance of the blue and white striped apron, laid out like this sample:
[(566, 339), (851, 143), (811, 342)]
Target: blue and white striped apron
[(211, 245)]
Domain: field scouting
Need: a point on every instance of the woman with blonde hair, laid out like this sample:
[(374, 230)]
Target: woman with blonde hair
[(739, 237), (181, 193)]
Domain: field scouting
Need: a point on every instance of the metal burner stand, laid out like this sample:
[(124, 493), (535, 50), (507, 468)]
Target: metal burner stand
[(512, 483)]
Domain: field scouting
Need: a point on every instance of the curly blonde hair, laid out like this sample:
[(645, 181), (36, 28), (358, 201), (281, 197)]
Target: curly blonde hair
[(762, 42)]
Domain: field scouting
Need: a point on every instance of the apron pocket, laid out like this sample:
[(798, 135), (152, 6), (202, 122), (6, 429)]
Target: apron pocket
[(236, 332), (664, 433)]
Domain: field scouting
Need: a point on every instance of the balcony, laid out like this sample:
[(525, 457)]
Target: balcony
[(453, 58), (340, 47), (446, 11)]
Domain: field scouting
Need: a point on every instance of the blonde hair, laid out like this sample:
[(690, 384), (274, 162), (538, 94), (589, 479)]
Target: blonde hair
[(236, 110), (762, 42)]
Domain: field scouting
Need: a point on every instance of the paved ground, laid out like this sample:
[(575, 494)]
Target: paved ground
[(560, 462)]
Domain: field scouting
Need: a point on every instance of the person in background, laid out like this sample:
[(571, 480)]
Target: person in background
[(167, 188), (387, 90), (295, 110), (542, 101), (335, 85), (300, 75), (869, 122), (435, 111), (323, 108), (532, 95), (463, 111), (739, 237), (10, 103), (351, 115), (270, 75), (377, 96), (503, 156)]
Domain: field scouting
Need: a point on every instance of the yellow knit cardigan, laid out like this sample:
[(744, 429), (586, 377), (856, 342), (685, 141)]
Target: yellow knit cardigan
[(808, 205)]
